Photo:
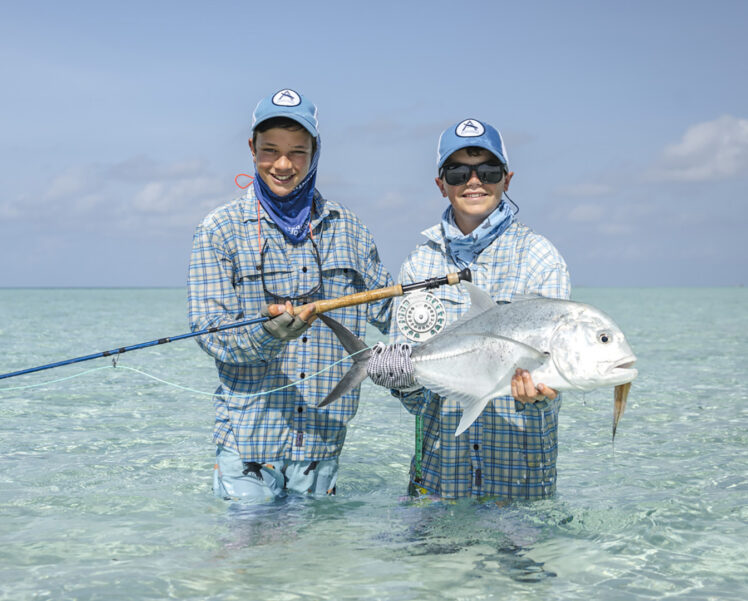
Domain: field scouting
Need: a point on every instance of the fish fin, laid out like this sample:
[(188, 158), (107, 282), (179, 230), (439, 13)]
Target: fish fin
[(480, 302), (620, 394), (472, 369), (350, 342), (470, 413), (518, 298), (348, 382), (356, 347)]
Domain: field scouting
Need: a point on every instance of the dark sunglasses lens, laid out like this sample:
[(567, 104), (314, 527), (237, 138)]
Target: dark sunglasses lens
[(457, 175), (490, 174)]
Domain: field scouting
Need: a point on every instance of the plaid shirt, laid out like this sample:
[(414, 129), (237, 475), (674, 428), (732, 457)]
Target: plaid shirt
[(510, 450), (226, 284)]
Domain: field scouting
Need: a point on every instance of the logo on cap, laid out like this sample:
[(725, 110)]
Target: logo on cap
[(470, 128), (287, 98)]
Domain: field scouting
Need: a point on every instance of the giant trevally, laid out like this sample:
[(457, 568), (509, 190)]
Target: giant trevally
[(566, 345)]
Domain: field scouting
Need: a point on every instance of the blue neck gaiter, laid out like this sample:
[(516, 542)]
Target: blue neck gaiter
[(463, 249), (291, 213)]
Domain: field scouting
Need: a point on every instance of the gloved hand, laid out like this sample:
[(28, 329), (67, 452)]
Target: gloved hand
[(390, 366), (285, 326)]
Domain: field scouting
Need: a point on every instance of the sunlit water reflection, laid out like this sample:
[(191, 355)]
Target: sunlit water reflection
[(105, 478)]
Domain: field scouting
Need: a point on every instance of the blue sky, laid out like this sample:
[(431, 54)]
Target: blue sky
[(626, 126)]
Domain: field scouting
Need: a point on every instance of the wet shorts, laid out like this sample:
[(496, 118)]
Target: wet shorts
[(261, 483)]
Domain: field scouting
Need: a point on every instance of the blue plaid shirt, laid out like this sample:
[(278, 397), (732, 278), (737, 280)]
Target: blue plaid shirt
[(226, 285), (510, 450)]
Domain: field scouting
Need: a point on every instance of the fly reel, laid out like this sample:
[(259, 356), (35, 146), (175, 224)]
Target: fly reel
[(420, 316)]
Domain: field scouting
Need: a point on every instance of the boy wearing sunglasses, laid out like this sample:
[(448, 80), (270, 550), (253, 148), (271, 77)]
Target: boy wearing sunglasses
[(281, 244), (509, 452)]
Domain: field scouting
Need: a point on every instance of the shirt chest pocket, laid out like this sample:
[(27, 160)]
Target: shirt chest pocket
[(300, 278), (256, 283), (341, 277)]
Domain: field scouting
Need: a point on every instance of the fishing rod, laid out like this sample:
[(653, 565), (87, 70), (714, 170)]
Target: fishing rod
[(320, 306)]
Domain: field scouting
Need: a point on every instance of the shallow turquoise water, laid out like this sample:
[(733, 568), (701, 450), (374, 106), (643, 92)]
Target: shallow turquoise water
[(105, 478)]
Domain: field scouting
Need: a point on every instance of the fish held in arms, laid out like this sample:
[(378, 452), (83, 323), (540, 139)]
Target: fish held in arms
[(564, 344)]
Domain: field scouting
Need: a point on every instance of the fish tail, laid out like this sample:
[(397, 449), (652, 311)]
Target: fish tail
[(360, 353)]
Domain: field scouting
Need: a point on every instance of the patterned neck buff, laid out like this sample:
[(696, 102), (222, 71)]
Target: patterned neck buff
[(291, 213), (463, 249)]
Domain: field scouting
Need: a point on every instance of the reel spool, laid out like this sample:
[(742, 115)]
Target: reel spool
[(420, 316)]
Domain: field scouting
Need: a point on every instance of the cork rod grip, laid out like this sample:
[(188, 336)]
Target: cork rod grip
[(322, 306)]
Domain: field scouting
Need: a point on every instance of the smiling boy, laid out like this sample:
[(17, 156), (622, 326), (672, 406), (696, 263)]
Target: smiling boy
[(281, 244), (509, 452)]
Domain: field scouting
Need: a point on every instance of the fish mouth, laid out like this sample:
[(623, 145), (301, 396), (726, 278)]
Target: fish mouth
[(623, 371)]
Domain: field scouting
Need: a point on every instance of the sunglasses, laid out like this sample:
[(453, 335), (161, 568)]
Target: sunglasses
[(457, 174), (280, 285)]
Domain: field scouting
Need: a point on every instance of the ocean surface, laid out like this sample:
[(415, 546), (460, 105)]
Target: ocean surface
[(105, 475)]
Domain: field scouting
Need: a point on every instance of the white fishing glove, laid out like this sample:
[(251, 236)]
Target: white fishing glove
[(390, 366), (284, 326)]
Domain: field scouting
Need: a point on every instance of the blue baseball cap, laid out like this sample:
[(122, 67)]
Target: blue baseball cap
[(470, 132), (287, 103)]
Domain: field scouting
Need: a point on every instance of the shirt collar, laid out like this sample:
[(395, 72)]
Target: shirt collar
[(436, 235)]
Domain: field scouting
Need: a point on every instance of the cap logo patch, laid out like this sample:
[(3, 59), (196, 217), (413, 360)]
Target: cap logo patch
[(470, 128), (286, 98)]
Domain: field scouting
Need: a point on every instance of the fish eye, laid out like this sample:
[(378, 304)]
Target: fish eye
[(604, 337)]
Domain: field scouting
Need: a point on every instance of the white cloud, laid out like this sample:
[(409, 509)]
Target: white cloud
[(71, 183), (162, 197), (135, 193), (392, 200), (616, 228), (587, 213), (143, 168), (708, 151), (9, 211), (585, 190), (607, 220)]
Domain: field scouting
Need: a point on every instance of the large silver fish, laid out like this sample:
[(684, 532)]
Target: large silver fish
[(566, 345)]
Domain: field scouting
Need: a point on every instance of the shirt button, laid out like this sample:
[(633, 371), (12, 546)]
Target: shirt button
[(303, 339), (302, 375), (476, 446), (303, 269), (300, 410)]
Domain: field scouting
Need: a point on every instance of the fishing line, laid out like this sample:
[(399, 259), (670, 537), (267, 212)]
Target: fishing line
[(179, 386), (319, 306)]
